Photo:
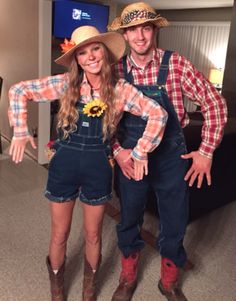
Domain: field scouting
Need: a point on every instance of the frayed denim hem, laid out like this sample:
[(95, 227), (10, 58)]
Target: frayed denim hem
[(62, 199), (95, 202)]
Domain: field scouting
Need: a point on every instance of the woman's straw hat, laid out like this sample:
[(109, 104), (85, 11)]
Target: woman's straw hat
[(135, 14), (83, 35)]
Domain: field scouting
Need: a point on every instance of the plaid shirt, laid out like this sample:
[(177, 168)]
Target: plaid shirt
[(185, 80), (128, 98)]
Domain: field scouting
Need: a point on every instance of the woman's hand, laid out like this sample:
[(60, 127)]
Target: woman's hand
[(17, 148), (126, 163), (131, 168), (140, 169)]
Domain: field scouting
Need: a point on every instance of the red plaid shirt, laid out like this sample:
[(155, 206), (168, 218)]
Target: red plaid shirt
[(185, 80)]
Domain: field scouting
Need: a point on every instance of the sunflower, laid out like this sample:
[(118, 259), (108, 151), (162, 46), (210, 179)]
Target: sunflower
[(94, 108)]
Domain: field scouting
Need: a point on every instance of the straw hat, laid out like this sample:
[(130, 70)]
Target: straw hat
[(135, 14), (83, 35)]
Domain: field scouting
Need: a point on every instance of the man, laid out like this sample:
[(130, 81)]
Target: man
[(165, 77)]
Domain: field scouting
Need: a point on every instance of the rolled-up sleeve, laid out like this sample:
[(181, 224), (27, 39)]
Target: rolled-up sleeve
[(213, 105)]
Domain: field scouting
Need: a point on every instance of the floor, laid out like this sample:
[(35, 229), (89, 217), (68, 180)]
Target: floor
[(24, 232)]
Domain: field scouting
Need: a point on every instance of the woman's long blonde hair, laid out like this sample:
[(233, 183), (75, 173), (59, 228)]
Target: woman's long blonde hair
[(68, 114)]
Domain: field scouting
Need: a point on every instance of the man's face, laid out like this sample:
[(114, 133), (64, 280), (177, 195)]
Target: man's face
[(140, 38)]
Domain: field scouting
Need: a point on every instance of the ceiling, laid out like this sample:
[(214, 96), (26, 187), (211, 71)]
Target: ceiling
[(182, 4)]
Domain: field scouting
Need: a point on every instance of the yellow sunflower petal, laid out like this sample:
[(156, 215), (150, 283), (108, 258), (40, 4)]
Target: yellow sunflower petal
[(94, 108)]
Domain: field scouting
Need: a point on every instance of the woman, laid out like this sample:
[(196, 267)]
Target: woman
[(91, 105)]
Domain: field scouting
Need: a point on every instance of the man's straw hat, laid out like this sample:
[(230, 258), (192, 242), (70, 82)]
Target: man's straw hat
[(136, 14), (83, 35)]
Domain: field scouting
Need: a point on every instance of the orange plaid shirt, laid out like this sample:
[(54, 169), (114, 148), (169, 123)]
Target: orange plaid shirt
[(128, 98)]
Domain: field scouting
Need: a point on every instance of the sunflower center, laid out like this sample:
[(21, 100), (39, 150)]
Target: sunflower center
[(95, 109)]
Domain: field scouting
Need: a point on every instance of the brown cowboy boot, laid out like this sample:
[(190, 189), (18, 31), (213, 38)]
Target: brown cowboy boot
[(128, 278), (90, 281), (56, 281), (168, 285)]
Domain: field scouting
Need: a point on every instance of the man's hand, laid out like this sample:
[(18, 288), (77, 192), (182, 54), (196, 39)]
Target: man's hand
[(17, 148), (126, 163), (201, 166)]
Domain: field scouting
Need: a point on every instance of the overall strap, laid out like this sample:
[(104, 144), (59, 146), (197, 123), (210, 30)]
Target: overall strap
[(164, 68), (128, 76)]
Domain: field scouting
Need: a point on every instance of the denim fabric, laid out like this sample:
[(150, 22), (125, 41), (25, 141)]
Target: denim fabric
[(80, 166), (165, 178)]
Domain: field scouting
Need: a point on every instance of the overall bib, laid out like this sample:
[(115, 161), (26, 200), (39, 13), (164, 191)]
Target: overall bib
[(165, 178), (80, 166)]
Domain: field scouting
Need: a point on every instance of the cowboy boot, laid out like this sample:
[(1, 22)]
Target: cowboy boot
[(90, 281), (168, 284), (56, 281), (128, 278)]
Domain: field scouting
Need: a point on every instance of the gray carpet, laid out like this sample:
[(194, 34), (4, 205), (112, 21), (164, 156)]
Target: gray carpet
[(24, 234)]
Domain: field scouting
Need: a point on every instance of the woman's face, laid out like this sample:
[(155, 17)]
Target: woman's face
[(90, 57)]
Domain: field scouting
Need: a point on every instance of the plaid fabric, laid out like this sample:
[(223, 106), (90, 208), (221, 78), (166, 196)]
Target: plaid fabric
[(184, 80), (39, 90), (128, 98)]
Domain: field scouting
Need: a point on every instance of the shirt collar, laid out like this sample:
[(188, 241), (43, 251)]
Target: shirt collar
[(85, 86), (86, 91), (155, 61)]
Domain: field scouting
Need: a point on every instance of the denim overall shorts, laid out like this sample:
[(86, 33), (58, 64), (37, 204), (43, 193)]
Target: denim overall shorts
[(166, 171), (80, 166)]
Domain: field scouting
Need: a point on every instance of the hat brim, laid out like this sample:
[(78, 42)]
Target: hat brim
[(112, 40), (158, 21)]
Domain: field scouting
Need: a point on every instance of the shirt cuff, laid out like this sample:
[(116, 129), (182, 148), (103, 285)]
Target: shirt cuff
[(116, 148), (21, 132), (140, 156), (206, 150)]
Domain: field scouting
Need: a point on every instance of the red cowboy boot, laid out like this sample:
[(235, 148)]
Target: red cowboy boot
[(168, 285), (128, 278)]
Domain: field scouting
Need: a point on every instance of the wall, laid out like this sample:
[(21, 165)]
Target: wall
[(206, 14), (229, 84), (18, 51)]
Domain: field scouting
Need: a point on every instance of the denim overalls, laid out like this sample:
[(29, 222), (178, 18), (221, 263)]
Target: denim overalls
[(165, 178), (80, 166)]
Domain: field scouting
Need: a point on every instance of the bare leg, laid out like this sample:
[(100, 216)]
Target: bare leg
[(61, 217), (93, 219)]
